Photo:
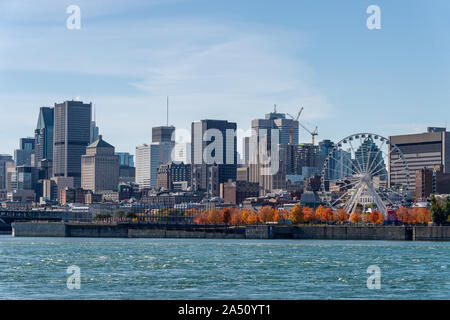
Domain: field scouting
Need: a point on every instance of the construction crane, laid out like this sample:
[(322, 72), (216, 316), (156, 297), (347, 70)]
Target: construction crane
[(312, 133), (294, 124)]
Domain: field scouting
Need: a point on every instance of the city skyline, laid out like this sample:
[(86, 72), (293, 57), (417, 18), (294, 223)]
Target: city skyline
[(224, 63)]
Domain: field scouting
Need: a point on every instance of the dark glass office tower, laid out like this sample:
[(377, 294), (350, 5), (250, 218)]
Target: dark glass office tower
[(207, 175), (163, 134), (72, 122), (43, 135)]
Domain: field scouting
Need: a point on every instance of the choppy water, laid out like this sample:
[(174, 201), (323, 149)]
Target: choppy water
[(35, 268)]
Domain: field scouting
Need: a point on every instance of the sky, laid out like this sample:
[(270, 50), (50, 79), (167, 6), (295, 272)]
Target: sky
[(230, 60)]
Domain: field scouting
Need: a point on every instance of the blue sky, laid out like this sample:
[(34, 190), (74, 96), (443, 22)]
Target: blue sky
[(226, 60)]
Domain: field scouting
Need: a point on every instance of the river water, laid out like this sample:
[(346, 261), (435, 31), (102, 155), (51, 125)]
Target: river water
[(36, 268)]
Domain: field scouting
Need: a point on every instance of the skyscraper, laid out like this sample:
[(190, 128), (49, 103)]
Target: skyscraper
[(100, 167), (72, 122), (94, 132), (6, 162), (23, 155), (182, 152), (147, 163), (43, 135), (163, 134), (261, 139), (150, 156), (423, 150), (126, 159), (204, 135), (340, 163), (369, 156)]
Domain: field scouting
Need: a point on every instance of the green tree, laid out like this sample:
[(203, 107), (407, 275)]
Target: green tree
[(119, 214), (438, 214), (101, 216), (446, 209), (130, 215)]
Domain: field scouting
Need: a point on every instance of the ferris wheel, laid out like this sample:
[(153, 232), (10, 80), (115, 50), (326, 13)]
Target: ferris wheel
[(364, 170)]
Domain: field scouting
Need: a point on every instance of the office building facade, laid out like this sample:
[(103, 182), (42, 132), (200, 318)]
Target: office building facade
[(163, 134), (43, 135), (172, 172), (213, 154), (423, 150), (148, 159), (72, 122), (24, 155), (6, 162), (100, 167)]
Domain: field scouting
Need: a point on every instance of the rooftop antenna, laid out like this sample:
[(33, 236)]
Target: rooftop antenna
[(274, 108), (167, 111)]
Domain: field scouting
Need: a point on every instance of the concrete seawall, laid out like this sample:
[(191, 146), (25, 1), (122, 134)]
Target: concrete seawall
[(343, 232), (437, 233), (39, 229), (324, 232)]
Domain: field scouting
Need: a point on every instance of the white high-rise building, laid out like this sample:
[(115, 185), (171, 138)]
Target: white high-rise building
[(182, 152), (148, 158)]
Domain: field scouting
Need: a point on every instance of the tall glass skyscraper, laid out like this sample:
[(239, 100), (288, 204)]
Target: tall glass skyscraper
[(43, 135), (225, 155), (72, 123)]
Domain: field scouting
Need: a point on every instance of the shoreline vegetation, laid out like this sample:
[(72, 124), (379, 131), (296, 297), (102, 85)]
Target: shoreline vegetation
[(439, 214)]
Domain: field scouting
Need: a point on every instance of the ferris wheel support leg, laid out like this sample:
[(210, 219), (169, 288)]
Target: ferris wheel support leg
[(352, 203), (381, 206)]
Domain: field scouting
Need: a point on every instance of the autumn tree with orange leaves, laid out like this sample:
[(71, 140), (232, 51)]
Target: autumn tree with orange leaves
[(308, 214), (403, 214), (266, 214), (296, 214), (356, 217), (252, 218), (376, 217), (326, 215), (414, 215), (341, 216), (236, 217)]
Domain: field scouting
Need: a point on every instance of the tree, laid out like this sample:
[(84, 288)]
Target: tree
[(318, 214), (376, 217), (130, 215), (446, 209), (244, 216), (252, 218), (119, 214), (308, 214), (326, 215), (392, 216), (296, 214), (281, 215), (365, 218), (438, 214), (341, 216), (236, 216), (403, 214), (266, 214), (226, 215), (423, 216), (356, 217), (214, 217), (101, 216), (202, 218)]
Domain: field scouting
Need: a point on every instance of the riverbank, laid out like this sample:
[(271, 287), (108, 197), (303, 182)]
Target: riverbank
[(151, 230)]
